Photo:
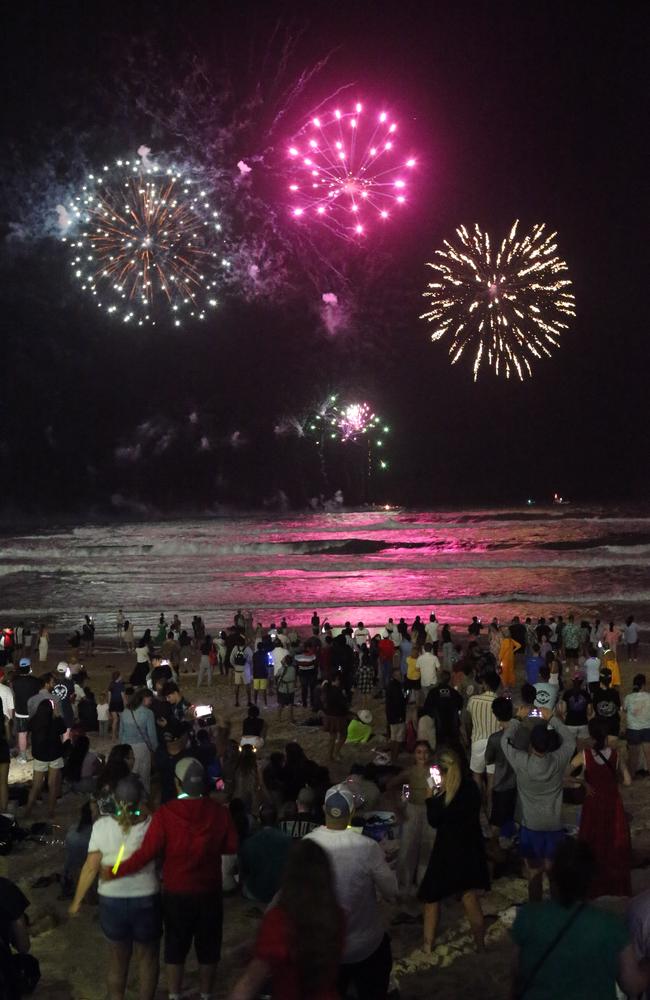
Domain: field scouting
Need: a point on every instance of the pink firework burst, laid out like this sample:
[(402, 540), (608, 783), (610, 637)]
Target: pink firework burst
[(347, 170), (355, 419)]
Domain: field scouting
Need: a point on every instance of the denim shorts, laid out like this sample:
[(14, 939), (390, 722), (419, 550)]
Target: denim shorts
[(131, 918), (539, 845)]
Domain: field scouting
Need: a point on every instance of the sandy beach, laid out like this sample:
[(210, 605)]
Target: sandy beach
[(72, 951)]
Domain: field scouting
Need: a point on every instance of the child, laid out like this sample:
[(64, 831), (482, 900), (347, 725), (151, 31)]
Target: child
[(102, 714)]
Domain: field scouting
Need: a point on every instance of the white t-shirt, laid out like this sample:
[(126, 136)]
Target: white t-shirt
[(107, 837), (429, 667), (142, 654), (278, 654), (592, 666), (360, 873), (7, 698), (102, 711), (431, 629), (361, 636), (637, 708), (547, 695), (631, 633)]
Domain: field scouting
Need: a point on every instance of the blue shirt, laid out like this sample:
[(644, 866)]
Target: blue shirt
[(533, 663), (138, 727)]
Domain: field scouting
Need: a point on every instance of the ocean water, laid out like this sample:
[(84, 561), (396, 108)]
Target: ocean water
[(348, 565)]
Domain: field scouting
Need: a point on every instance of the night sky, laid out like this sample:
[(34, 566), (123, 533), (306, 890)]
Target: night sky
[(534, 111)]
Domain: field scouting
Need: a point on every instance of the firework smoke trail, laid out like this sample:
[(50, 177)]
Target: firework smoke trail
[(508, 305), (147, 237)]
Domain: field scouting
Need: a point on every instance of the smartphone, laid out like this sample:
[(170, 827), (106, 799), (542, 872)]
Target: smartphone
[(436, 775), (535, 713), (201, 710), (406, 791), (164, 663)]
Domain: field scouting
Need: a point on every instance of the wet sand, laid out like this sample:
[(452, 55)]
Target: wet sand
[(72, 951)]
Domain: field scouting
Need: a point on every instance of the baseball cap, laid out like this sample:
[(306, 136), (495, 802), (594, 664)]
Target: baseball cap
[(62, 667), (339, 803), (606, 674), (189, 774), (25, 662), (306, 796), (365, 716)]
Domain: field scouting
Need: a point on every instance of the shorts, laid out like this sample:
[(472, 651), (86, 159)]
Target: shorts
[(240, 676), (539, 845), (413, 685), (196, 917), (131, 918), (44, 765), (477, 756), (116, 706), (286, 699), (398, 732), (503, 807), (260, 684), (22, 723), (635, 737)]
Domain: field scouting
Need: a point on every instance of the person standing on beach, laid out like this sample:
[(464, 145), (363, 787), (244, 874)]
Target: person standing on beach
[(189, 835), (24, 686), (540, 780), (483, 723), (631, 639), (361, 874), (507, 649), (396, 713), (241, 662), (571, 640), (43, 644)]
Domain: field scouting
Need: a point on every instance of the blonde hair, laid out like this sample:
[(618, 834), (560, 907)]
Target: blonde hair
[(129, 815), (450, 763)]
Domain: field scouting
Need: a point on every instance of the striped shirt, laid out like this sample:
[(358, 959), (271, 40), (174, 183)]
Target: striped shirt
[(484, 721)]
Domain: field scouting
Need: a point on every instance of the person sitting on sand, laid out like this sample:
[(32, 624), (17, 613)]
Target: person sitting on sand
[(360, 727)]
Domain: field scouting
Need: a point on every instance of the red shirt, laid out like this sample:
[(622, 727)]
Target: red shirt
[(273, 946), (190, 835), (386, 649)]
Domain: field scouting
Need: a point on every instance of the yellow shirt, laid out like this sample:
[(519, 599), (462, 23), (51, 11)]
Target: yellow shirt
[(412, 671)]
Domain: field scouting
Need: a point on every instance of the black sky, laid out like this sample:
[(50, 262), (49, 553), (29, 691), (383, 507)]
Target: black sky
[(537, 111)]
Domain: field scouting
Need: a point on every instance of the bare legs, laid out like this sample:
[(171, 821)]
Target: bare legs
[(474, 916), (118, 969), (54, 789), (35, 791)]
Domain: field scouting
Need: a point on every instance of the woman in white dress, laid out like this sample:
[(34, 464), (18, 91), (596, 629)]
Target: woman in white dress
[(43, 644)]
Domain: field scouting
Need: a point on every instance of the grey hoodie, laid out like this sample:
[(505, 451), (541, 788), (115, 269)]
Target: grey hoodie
[(539, 779)]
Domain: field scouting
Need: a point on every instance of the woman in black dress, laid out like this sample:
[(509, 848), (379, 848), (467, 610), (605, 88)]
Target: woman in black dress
[(458, 865)]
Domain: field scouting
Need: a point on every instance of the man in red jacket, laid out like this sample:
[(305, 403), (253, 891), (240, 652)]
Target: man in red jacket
[(189, 834)]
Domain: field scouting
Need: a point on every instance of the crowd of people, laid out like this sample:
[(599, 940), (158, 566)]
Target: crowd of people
[(488, 737)]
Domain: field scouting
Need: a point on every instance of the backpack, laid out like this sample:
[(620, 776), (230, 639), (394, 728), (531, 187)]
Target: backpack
[(240, 660)]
